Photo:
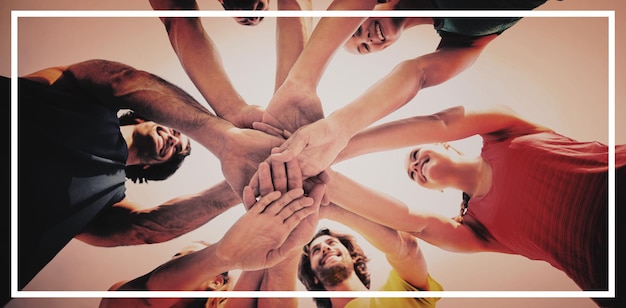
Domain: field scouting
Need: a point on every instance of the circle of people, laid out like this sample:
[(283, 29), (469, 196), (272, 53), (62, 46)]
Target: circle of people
[(550, 202)]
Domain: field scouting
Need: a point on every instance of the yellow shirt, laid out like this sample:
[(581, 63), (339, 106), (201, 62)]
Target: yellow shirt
[(395, 283)]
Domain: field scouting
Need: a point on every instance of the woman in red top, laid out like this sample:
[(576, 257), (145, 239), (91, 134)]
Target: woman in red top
[(531, 192)]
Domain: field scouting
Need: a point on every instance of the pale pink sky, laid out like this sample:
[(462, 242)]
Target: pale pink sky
[(551, 70)]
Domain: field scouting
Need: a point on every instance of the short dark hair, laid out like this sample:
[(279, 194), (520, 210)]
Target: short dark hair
[(306, 274), (157, 172)]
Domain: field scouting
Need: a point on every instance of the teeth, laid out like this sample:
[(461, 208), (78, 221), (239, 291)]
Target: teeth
[(379, 32)]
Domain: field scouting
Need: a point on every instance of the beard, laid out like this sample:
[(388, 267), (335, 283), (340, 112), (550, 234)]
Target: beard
[(334, 274), (146, 148)]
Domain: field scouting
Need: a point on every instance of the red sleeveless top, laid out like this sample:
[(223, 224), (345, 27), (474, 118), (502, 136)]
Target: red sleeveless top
[(549, 201)]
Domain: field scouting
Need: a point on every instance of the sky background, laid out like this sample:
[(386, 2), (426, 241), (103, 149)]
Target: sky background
[(551, 70)]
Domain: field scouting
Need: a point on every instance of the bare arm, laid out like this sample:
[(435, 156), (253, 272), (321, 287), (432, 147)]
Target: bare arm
[(202, 62), (126, 224), (292, 34), (401, 249), (318, 144), (239, 150), (263, 229), (447, 125), (149, 95), (329, 34), (388, 211)]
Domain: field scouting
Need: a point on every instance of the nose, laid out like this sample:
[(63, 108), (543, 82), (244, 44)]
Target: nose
[(249, 21), (325, 247), (172, 140)]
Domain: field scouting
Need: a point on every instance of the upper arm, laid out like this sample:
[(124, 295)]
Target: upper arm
[(451, 235), (47, 76), (112, 227), (450, 59), (492, 121), (409, 262)]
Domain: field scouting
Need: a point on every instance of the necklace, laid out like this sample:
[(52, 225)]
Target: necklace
[(464, 204)]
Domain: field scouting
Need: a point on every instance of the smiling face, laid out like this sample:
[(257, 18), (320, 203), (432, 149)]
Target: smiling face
[(155, 143), (330, 260), (374, 34), (432, 165), (246, 5)]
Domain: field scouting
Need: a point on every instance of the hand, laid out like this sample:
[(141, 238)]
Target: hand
[(246, 116), (277, 177), (293, 106), (273, 175), (258, 238), (243, 150), (315, 146), (271, 130)]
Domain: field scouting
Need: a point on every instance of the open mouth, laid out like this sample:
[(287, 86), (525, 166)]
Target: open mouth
[(161, 142), (329, 257), (379, 32)]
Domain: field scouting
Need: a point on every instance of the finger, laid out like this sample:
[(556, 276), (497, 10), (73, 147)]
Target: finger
[(268, 129), (294, 174), (290, 149), (265, 179), (324, 177), (283, 202), (254, 184), (317, 193), (298, 211), (279, 176), (325, 199), (248, 197), (295, 206), (264, 202)]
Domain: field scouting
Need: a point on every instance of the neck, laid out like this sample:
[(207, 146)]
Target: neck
[(351, 284), (127, 134), (474, 177)]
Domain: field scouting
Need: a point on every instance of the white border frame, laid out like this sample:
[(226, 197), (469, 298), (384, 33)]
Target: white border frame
[(307, 294)]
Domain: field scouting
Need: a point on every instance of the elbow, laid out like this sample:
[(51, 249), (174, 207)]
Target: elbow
[(413, 75), (409, 247), (126, 80)]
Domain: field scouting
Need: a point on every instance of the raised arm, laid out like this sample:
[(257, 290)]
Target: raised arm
[(282, 277), (202, 62), (329, 34), (317, 145), (239, 150), (255, 241), (447, 125), (124, 86), (401, 249), (440, 231), (126, 223)]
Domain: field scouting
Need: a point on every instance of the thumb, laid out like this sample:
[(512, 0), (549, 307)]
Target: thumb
[(290, 149)]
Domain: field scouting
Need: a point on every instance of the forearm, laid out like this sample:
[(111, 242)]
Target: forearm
[(247, 281), (292, 34), (187, 272), (437, 127), (123, 86), (384, 97), (371, 204), (121, 225), (329, 35), (281, 277), (385, 239), (203, 64)]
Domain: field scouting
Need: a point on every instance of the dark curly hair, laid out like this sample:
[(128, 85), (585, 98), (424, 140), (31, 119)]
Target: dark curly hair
[(307, 276), (157, 172)]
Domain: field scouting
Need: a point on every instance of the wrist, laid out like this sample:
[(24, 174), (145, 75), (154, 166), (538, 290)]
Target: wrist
[(341, 125)]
